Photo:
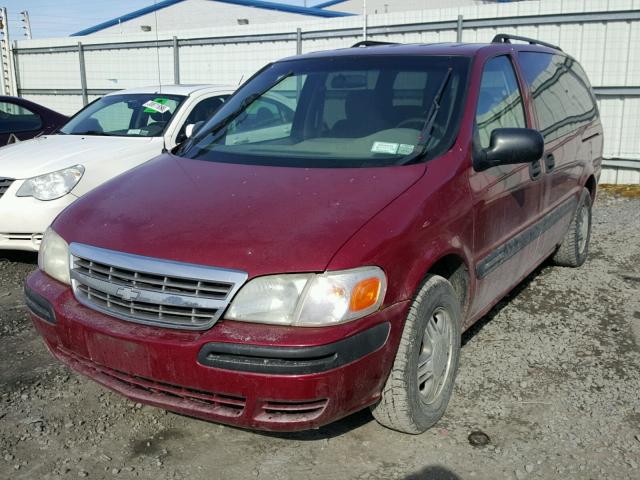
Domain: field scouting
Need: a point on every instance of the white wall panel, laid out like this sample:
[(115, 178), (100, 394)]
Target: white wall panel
[(50, 70), (66, 104), (110, 69), (201, 14), (619, 175)]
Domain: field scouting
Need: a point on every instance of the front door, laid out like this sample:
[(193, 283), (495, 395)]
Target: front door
[(507, 198)]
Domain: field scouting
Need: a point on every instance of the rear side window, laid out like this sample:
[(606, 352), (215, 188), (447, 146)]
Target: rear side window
[(561, 93), (342, 88), (409, 88), (15, 118), (499, 99)]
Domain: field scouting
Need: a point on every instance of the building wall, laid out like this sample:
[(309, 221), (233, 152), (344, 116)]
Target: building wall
[(192, 14), (606, 49), (375, 7)]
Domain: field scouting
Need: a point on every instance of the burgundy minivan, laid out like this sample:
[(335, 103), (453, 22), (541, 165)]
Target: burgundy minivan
[(281, 271)]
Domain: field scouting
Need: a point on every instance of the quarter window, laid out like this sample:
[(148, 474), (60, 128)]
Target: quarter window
[(561, 93), (499, 101), (15, 118)]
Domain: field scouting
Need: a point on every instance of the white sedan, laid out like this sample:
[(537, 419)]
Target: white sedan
[(41, 177)]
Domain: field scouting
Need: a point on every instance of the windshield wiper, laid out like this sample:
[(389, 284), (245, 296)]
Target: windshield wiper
[(425, 133), (91, 132)]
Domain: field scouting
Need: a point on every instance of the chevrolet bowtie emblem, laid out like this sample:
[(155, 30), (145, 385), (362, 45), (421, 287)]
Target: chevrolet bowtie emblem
[(127, 293)]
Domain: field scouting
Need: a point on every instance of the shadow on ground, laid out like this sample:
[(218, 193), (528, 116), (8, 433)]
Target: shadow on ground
[(19, 256), (517, 290), (434, 472), (335, 429)]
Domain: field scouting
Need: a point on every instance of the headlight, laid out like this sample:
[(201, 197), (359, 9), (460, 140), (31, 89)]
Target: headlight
[(310, 299), (51, 185), (53, 258)]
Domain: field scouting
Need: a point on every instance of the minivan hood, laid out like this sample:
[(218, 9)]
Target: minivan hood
[(54, 152), (259, 219)]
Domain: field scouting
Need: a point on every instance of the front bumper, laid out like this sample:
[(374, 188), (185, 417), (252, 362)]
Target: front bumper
[(254, 376), (23, 220)]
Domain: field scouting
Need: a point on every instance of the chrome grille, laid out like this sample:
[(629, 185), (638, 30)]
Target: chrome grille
[(159, 283), (151, 291), (5, 183)]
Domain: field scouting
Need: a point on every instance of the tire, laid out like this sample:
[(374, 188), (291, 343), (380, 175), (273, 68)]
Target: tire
[(574, 249), (407, 404)]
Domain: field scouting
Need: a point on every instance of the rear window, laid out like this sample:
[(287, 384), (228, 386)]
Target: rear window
[(561, 93), (15, 118)]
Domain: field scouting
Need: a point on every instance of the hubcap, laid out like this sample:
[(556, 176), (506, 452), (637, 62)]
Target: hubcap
[(434, 361), (583, 229)]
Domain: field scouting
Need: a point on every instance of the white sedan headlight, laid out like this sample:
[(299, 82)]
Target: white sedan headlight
[(310, 299), (53, 257), (51, 186)]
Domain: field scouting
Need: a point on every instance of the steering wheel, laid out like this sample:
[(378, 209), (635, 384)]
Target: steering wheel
[(416, 123)]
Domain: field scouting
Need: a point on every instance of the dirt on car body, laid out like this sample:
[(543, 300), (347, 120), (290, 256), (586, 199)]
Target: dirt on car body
[(551, 376)]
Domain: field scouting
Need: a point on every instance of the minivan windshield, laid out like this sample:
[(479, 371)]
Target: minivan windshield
[(351, 111), (125, 115)]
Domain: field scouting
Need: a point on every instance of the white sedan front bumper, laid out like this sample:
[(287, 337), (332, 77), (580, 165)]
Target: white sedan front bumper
[(23, 220)]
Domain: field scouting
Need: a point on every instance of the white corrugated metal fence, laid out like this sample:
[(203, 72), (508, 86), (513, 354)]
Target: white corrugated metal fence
[(602, 34)]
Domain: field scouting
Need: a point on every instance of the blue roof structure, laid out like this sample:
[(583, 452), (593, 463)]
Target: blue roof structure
[(330, 3), (316, 11)]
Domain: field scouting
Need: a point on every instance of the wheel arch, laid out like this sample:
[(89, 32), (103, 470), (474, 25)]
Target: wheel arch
[(591, 184), (454, 267)]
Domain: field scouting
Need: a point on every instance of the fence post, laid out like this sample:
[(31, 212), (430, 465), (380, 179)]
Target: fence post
[(83, 75), (299, 41), (176, 61), (16, 67), (459, 29)]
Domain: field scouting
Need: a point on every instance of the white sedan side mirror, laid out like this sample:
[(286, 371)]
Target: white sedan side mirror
[(192, 128)]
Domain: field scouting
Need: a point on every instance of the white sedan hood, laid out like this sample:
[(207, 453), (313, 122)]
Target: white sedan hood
[(107, 155)]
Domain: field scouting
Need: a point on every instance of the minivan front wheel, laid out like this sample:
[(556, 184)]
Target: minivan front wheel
[(574, 248), (420, 384)]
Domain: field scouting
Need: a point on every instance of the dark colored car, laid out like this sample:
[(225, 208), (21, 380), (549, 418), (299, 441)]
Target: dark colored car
[(21, 119), (286, 279)]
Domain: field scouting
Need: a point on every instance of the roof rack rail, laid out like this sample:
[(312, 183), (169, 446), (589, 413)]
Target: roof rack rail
[(371, 43), (506, 38)]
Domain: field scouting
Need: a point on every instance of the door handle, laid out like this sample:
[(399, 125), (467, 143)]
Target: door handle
[(549, 162), (535, 170)]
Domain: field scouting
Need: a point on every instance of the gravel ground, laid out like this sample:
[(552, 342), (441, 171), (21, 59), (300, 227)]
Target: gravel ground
[(551, 375)]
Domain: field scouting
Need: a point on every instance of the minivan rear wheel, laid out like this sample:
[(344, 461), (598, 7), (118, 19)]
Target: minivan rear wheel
[(574, 249), (421, 381)]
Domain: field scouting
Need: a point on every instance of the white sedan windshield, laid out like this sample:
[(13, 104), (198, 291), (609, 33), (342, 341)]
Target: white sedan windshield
[(126, 115)]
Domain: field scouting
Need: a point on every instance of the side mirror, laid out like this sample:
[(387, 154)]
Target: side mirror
[(191, 129), (509, 146)]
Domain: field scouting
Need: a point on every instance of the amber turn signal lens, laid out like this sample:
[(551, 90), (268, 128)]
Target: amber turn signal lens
[(364, 294)]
